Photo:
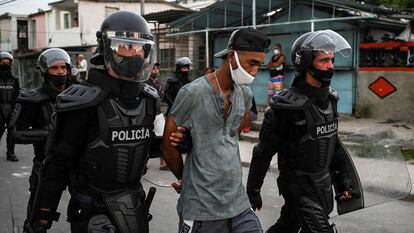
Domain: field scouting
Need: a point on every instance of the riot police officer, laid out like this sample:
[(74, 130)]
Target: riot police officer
[(102, 137), (174, 84), (9, 90), (30, 120), (301, 126)]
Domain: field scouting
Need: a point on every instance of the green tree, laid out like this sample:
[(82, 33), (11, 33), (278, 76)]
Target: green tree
[(400, 4)]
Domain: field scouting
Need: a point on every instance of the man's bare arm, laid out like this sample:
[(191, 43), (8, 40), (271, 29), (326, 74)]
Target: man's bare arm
[(276, 64), (170, 153), (245, 121)]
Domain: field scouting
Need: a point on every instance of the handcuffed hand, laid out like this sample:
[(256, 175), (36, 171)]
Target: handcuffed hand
[(182, 140), (35, 227), (177, 186)]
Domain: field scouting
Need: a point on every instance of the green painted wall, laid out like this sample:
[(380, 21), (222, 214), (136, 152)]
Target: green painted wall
[(286, 34)]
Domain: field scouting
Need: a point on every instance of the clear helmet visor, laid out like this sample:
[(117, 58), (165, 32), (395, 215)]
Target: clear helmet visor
[(132, 55), (52, 57), (327, 41), (56, 57)]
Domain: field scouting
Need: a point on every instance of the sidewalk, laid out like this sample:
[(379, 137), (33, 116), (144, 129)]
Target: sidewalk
[(348, 127)]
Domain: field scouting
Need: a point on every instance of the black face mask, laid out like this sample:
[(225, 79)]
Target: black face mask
[(5, 71), (127, 66), (183, 76), (5, 68), (57, 80), (323, 76)]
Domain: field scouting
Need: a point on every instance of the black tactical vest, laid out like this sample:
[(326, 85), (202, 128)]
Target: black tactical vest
[(7, 90), (312, 152), (38, 97), (116, 159)]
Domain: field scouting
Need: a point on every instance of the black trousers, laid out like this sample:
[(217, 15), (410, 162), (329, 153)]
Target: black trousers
[(5, 111), (302, 209)]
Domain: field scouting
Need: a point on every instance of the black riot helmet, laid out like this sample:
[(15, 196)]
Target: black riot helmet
[(182, 62), (6, 55), (127, 45), (307, 45), (51, 57)]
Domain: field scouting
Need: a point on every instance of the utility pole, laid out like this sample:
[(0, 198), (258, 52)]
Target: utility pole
[(142, 7), (254, 14)]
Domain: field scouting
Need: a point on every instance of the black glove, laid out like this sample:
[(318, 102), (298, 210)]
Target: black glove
[(255, 199), (346, 190), (35, 227), (186, 143)]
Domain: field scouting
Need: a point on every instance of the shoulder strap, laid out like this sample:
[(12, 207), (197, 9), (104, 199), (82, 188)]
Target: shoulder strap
[(150, 91), (79, 96), (290, 99), (31, 96)]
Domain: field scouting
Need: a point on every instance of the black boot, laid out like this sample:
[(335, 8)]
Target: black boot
[(12, 157)]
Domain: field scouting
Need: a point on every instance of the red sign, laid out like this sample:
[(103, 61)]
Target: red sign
[(382, 87)]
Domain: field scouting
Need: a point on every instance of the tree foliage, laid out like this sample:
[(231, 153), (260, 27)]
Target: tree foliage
[(400, 4)]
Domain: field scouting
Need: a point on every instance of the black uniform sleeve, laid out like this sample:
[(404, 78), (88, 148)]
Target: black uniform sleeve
[(30, 116), (73, 131), (263, 151), (17, 90)]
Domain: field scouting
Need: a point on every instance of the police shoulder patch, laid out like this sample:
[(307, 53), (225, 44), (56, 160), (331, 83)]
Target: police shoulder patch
[(290, 99), (31, 96), (79, 96), (150, 91)]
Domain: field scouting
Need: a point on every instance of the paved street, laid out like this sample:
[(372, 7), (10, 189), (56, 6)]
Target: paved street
[(392, 217)]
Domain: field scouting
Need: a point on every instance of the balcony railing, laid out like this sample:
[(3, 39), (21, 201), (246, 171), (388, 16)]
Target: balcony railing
[(65, 38)]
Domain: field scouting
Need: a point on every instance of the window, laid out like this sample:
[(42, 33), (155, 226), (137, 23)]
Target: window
[(75, 21), (167, 58), (202, 58), (65, 20), (110, 9)]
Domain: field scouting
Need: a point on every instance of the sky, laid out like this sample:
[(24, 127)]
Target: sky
[(27, 6), (23, 6)]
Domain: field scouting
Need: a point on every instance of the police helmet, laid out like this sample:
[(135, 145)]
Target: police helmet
[(183, 61), (6, 55), (305, 47), (50, 57), (127, 45)]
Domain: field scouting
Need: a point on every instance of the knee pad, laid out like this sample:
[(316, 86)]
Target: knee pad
[(313, 217)]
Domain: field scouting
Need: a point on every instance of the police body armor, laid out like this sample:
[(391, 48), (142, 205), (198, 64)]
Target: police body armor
[(27, 134), (309, 158), (114, 162), (7, 90), (116, 159)]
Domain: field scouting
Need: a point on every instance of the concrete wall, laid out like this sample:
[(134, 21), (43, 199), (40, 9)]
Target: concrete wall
[(92, 13), (343, 81), (40, 41), (397, 106), (6, 35)]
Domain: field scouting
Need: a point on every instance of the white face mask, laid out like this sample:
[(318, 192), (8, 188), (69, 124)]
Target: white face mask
[(276, 51), (239, 75)]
